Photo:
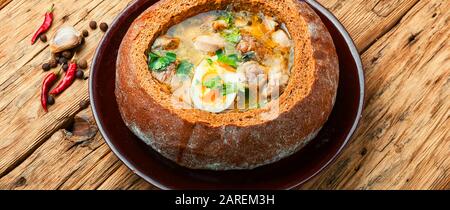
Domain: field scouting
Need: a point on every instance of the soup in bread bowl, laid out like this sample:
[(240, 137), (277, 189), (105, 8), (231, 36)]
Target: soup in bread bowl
[(226, 85)]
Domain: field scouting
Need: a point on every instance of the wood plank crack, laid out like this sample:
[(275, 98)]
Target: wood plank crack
[(4, 3), (389, 29)]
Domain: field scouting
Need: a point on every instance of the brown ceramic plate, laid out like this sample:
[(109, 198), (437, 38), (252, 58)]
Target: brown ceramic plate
[(285, 174)]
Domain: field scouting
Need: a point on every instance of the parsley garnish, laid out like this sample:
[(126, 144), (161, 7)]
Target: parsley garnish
[(227, 17), (248, 56), (159, 63), (216, 83), (232, 35), (185, 68), (210, 61), (230, 60), (213, 83)]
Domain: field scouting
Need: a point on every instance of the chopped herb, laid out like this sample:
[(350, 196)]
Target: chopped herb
[(248, 56), (230, 60), (219, 53), (224, 88), (213, 83), (232, 35), (185, 68), (159, 63), (227, 17), (171, 56), (152, 56), (210, 61)]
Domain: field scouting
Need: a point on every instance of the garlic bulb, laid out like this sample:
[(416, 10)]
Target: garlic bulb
[(65, 38)]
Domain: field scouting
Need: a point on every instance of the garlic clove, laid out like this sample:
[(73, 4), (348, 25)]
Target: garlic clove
[(65, 38)]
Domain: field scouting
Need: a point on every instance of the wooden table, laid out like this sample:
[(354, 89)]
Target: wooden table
[(402, 142)]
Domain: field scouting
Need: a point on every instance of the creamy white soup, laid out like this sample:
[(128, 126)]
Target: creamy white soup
[(222, 61)]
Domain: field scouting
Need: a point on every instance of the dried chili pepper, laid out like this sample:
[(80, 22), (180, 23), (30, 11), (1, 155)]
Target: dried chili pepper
[(45, 26), (48, 82), (67, 80)]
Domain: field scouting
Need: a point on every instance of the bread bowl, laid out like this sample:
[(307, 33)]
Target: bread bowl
[(200, 138)]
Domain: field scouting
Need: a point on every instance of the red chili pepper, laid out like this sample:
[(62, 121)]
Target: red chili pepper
[(45, 26), (48, 82), (67, 80)]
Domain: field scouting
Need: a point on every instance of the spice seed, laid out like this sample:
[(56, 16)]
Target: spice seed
[(62, 60), (67, 54), (65, 67), (82, 64), (80, 74), (85, 33), (43, 37), (50, 100), (53, 63), (57, 55), (93, 25), (103, 27), (46, 67)]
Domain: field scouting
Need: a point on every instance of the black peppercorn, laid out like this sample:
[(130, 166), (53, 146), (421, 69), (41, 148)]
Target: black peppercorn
[(82, 64), (53, 63), (65, 67), (93, 25), (43, 37), (85, 33), (103, 27), (50, 100), (46, 67), (67, 54), (62, 60), (79, 74)]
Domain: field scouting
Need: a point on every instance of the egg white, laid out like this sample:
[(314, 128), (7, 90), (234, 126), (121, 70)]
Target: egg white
[(219, 105)]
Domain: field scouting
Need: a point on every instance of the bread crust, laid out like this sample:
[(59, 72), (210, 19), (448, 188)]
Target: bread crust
[(201, 140)]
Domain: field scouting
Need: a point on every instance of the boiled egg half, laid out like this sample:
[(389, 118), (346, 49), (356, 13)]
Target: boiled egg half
[(213, 86)]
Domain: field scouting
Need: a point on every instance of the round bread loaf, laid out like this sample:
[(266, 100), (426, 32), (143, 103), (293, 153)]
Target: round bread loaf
[(230, 140)]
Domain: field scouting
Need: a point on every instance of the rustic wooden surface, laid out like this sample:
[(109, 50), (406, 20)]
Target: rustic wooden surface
[(403, 141)]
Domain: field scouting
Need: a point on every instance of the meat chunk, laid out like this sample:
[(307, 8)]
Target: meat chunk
[(281, 38), (219, 25), (169, 77), (166, 76), (209, 43), (254, 74), (249, 43), (166, 43)]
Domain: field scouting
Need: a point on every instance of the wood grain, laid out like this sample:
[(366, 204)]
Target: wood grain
[(368, 20), (76, 158), (402, 143), (3, 3), (24, 126)]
